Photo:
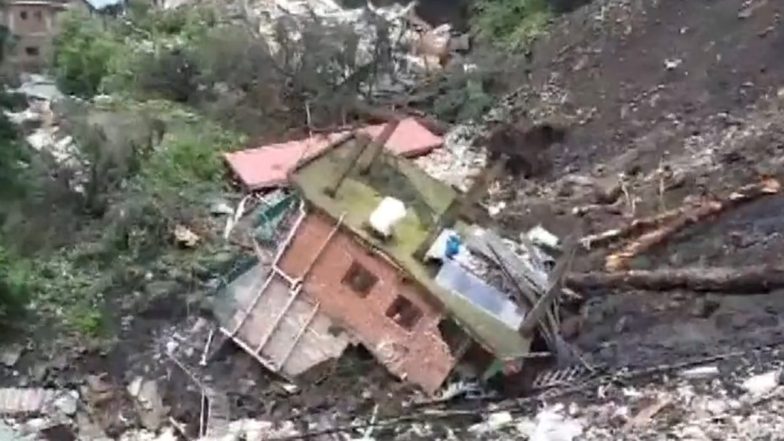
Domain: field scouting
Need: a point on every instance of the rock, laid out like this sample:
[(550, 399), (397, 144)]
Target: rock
[(551, 425), (672, 64), (700, 372), (184, 237), (38, 372), (607, 190), (762, 384), (151, 409), (135, 387), (221, 207), (9, 355), (494, 422), (67, 402), (704, 307)]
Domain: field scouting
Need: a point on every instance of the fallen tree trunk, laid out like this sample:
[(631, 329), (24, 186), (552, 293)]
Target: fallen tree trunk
[(620, 260), (636, 227), (744, 280)]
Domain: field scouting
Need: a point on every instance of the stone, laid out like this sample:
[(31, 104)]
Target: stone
[(762, 384), (9, 355), (135, 386), (607, 190), (67, 403), (151, 409)]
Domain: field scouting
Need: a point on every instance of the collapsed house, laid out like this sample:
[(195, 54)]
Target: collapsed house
[(374, 254)]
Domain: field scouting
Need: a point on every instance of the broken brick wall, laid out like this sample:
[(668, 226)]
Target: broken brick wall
[(360, 289)]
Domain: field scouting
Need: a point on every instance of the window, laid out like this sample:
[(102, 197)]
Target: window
[(31, 51), (359, 279), (404, 313), (39, 15), (454, 336), (23, 15)]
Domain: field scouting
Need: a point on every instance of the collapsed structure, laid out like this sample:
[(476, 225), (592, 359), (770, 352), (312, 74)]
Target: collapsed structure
[(376, 254)]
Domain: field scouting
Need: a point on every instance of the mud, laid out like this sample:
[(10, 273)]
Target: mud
[(693, 85)]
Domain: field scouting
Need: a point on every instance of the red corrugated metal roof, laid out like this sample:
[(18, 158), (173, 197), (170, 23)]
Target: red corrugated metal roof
[(268, 166)]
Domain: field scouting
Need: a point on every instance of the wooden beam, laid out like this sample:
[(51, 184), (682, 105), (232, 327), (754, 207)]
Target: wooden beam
[(362, 142), (377, 146)]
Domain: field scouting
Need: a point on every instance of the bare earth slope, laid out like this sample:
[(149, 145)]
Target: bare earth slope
[(696, 86)]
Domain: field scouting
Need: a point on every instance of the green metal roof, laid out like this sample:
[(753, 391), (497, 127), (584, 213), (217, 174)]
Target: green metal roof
[(425, 199)]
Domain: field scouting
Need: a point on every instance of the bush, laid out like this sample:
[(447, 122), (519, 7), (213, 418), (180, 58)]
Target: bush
[(511, 22), (84, 52)]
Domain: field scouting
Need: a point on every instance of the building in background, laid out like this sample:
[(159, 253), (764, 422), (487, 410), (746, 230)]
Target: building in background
[(33, 25)]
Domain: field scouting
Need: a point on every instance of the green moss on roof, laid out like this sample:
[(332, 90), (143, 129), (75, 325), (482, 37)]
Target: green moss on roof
[(425, 199)]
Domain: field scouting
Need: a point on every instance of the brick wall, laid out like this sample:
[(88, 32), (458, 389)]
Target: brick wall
[(419, 355)]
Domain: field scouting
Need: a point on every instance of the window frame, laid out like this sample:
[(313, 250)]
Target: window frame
[(357, 270), (410, 314)]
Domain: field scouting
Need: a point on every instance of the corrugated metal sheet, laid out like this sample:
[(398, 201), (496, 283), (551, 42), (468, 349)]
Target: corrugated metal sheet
[(268, 166)]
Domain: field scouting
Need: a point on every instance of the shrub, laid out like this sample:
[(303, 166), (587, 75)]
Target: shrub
[(511, 22), (83, 55)]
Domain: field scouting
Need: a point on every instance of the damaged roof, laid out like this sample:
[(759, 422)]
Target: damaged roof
[(268, 166), (425, 199)]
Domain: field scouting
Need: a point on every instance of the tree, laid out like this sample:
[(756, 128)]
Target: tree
[(83, 55)]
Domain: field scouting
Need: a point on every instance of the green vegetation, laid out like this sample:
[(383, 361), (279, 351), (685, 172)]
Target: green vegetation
[(512, 23), (14, 288), (148, 155), (83, 55)]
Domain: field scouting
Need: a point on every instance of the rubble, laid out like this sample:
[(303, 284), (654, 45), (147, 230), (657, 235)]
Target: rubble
[(67, 403), (762, 384)]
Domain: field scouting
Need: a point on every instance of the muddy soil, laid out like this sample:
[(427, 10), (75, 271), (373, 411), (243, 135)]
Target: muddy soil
[(696, 86)]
